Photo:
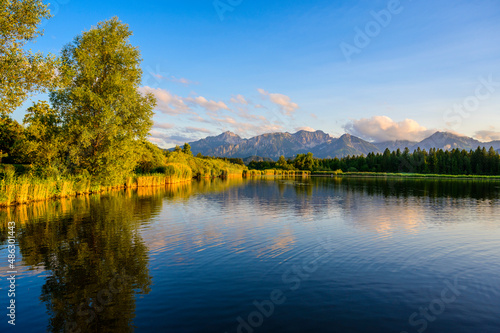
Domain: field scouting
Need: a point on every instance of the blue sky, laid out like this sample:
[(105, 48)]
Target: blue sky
[(264, 66)]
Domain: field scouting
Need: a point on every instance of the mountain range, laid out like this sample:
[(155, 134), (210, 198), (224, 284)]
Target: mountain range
[(322, 145)]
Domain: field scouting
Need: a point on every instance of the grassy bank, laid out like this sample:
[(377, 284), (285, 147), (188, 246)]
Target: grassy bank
[(23, 188), (401, 175), (18, 188)]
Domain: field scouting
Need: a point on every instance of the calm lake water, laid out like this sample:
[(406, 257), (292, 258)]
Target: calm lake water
[(266, 255)]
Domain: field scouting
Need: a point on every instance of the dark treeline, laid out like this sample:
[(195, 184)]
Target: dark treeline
[(435, 161)]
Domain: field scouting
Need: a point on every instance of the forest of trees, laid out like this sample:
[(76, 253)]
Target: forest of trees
[(436, 161)]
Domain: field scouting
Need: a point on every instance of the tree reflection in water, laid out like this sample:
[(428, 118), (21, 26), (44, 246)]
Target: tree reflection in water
[(96, 258)]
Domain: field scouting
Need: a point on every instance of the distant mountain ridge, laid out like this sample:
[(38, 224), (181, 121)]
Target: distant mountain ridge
[(322, 145)]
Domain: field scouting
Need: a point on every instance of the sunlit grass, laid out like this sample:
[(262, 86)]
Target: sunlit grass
[(179, 168)]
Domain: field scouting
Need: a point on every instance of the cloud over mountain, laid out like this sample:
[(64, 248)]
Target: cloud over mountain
[(305, 128), (487, 135), (382, 128), (239, 114)]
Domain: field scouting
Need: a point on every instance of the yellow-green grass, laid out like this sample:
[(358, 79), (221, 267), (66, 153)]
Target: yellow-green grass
[(24, 189), (177, 173), (337, 172), (207, 167), (180, 168)]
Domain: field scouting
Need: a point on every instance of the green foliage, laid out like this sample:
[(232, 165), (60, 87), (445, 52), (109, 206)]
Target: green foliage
[(207, 167), (238, 161), (333, 173), (11, 140), (23, 73), (44, 142), (177, 172), (282, 162), (103, 115), (7, 171), (2, 155), (305, 162), (187, 149), (150, 158)]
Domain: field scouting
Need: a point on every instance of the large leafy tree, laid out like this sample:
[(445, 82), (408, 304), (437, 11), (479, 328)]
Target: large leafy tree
[(44, 144), (22, 72), (103, 114)]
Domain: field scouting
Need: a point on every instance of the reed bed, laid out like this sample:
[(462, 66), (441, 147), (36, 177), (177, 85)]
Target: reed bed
[(177, 173), (24, 189), (180, 168), (19, 190)]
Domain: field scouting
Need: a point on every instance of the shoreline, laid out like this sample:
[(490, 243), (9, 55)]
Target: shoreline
[(30, 192), (44, 190), (35, 190), (402, 175)]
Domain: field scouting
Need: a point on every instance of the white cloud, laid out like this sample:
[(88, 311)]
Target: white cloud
[(164, 140), (305, 128), (200, 119), (284, 102), (157, 141), (243, 117), (174, 105), (239, 99), (163, 125), (226, 120), (382, 128), (206, 104), (167, 102), (158, 134), (190, 129), (487, 136), (159, 76), (182, 80)]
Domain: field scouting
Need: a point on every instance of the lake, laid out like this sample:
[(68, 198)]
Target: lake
[(315, 254)]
